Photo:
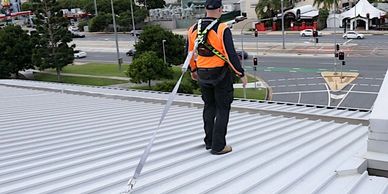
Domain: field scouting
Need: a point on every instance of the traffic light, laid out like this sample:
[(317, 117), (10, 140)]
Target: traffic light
[(341, 55), (337, 47), (256, 33), (336, 54), (343, 62), (255, 61), (298, 14)]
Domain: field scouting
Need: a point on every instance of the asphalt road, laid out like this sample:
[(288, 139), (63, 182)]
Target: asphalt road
[(297, 78)]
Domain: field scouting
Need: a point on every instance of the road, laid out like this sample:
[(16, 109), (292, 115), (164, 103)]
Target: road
[(294, 78)]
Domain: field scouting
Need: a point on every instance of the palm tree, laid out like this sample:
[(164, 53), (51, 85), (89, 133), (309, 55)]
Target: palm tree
[(269, 8), (327, 4)]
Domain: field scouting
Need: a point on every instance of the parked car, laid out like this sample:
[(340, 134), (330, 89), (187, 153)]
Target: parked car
[(131, 52), (308, 32), (136, 32), (240, 54), (353, 34), (73, 28), (77, 34), (79, 54)]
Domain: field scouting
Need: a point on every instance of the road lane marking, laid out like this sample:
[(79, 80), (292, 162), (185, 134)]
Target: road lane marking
[(281, 79), (300, 78), (292, 71), (375, 85), (271, 80), (302, 84), (310, 78), (346, 95), (300, 96), (282, 86), (328, 95), (363, 84), (303, 92), (292, 85), (354, 70), (312, 84), (368, 78)]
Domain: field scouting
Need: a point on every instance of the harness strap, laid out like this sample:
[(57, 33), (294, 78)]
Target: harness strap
[(202, 36)]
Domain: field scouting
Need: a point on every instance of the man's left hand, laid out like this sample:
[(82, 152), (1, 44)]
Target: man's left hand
[(194, 76)]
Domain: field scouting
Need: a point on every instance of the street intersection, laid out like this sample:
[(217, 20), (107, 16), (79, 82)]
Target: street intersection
[(293, 73)]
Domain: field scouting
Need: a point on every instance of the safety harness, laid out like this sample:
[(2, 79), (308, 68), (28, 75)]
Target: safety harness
[(202, 40)]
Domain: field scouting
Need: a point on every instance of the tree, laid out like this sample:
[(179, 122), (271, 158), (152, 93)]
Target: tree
[(326, 4), (148, 66), (270, 8), (52, 38), (151, 40), (152, 4), (15, 47)]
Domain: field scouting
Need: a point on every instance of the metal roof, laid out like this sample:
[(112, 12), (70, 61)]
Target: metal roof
[(274, 107), (54, 142)]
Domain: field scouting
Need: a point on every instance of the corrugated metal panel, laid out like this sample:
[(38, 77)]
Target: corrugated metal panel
[(261, 105), (62, 143)]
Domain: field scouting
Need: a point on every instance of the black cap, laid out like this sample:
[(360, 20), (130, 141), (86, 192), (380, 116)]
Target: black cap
[(213, 4)]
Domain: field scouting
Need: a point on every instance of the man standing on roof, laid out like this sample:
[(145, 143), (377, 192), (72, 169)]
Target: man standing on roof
[(212, 65)]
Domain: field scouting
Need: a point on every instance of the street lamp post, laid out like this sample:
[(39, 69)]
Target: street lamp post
[(242, 44), (283, 22), (164, 51), (133, 21), (115, 30)]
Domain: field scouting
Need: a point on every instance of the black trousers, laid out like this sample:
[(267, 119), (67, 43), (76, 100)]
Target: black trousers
[(217, 98)]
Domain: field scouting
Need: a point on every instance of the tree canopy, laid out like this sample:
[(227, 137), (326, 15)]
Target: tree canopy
[(151, 40), (16, 50), (326, 4), (270, 8), (148, 66)]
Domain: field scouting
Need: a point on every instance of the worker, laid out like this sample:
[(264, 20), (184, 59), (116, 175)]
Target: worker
[(212, 67)]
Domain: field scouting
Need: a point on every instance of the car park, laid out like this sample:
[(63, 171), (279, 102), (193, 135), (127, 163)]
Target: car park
[(79, 54), (309, 32), (352, 35)]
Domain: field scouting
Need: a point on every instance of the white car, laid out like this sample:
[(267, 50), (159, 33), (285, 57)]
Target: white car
[(79, 54), (308, 32), (73, 28), (353, 34)]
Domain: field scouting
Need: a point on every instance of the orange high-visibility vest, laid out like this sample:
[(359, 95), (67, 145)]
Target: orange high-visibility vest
[(214, 39)]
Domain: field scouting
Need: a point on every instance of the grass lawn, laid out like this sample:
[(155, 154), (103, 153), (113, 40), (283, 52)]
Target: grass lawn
[(95, 69), (77, 80)]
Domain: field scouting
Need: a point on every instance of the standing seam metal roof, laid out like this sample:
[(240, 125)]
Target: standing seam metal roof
[(62, 143)]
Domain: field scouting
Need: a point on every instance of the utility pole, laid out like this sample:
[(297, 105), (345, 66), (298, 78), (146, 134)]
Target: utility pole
[(283, 22), (95, 8)]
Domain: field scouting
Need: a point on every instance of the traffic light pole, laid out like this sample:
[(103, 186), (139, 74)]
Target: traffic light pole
[(335, 40), (257, 54)]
